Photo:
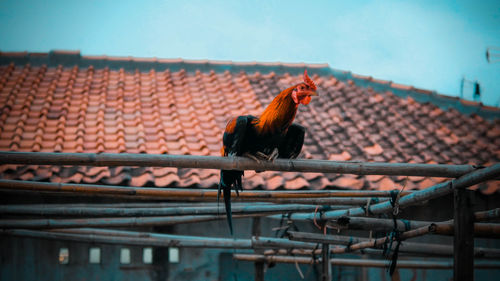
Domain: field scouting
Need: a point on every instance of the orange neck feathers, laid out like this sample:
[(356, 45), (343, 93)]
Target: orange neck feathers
[(278, 115)]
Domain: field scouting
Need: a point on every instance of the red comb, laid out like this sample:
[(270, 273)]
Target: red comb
[(309, 81)]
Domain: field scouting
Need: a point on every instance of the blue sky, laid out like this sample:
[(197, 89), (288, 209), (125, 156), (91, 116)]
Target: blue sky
[(428, 44)]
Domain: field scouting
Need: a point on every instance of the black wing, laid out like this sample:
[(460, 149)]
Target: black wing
[(292, 144)]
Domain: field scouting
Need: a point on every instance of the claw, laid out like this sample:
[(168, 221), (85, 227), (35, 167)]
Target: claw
[(273, 155), (251, 156)]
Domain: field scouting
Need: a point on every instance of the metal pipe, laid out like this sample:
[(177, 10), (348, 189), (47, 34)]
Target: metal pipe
[(362, 262), (233, 163)]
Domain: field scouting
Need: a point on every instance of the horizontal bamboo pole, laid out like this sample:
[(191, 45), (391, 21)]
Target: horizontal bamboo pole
[(406, 247), (441, 189), (233, 163), (375, 224), (139, 238), (114, 221), (485, 230), (171, 193), (417, 264), (487, 215), (166, 211), (122, 237)]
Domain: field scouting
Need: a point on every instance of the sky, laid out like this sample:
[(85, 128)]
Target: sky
[(428, 44)]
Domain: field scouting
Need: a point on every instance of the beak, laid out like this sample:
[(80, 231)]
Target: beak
[(312, 93)]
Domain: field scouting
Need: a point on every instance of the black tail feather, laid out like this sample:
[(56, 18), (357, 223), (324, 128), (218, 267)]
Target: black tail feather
[(227, 180)]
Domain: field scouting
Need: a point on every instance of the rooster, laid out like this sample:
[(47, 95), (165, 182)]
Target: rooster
[(266, 137)]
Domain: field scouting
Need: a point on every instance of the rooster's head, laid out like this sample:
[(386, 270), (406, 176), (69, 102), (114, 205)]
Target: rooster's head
[(302, 93)]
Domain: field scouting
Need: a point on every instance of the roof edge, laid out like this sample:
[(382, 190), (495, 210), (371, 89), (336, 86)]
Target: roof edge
[(74, 58)]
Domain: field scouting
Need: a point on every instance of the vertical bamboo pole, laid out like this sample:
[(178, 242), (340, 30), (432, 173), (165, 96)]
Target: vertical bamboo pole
[(258, 265), (326, 266), (463, 241)]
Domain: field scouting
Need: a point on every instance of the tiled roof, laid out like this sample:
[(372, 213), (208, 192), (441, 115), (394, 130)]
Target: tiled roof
[(63, 102)]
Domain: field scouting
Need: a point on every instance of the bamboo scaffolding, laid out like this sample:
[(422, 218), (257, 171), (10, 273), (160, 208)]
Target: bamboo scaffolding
[(166, 211), (487, 215), (487, 230), (435, 191), (417, 264), (114, 221), (122, 237), (233, 163), (138, 238), (182, 194), (406, 247), (375, 224)]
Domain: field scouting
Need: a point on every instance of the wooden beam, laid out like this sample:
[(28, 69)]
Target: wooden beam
[(258, 265), (233, 163), (463, 240), (326, 273)]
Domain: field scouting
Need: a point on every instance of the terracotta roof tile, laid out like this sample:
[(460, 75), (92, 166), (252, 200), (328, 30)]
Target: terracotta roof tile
[(95, 109)]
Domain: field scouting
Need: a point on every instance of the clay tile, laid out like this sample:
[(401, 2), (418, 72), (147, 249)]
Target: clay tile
[(297, 183), (374, 178), (376, 149), (344, 156), (491, 187), (386, 184), (494, 132), (348, 182), (274, 182)]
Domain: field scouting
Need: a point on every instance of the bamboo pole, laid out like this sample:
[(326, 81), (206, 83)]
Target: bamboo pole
[(166, 211), (435, 191), (487, 215), (486, 230), (375, 224), (417, 264), (182, 193), (114, 221), (463, 236), (443, 228), (141, 238), (406, 247), (233, 163)]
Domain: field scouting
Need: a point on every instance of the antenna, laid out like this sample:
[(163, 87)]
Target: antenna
[(493, 54), (476, 88)]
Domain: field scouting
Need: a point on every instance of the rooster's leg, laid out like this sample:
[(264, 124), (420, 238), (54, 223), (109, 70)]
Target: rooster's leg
[(270, 157), (251, 156), (273, 155)]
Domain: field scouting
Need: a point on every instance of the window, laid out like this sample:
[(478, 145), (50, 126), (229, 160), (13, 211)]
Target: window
[(125, 256), (147, 255), (173, 255), (95, 255), (63, 256)]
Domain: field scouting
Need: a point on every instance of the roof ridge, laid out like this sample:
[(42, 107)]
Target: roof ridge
[(71, 58)]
